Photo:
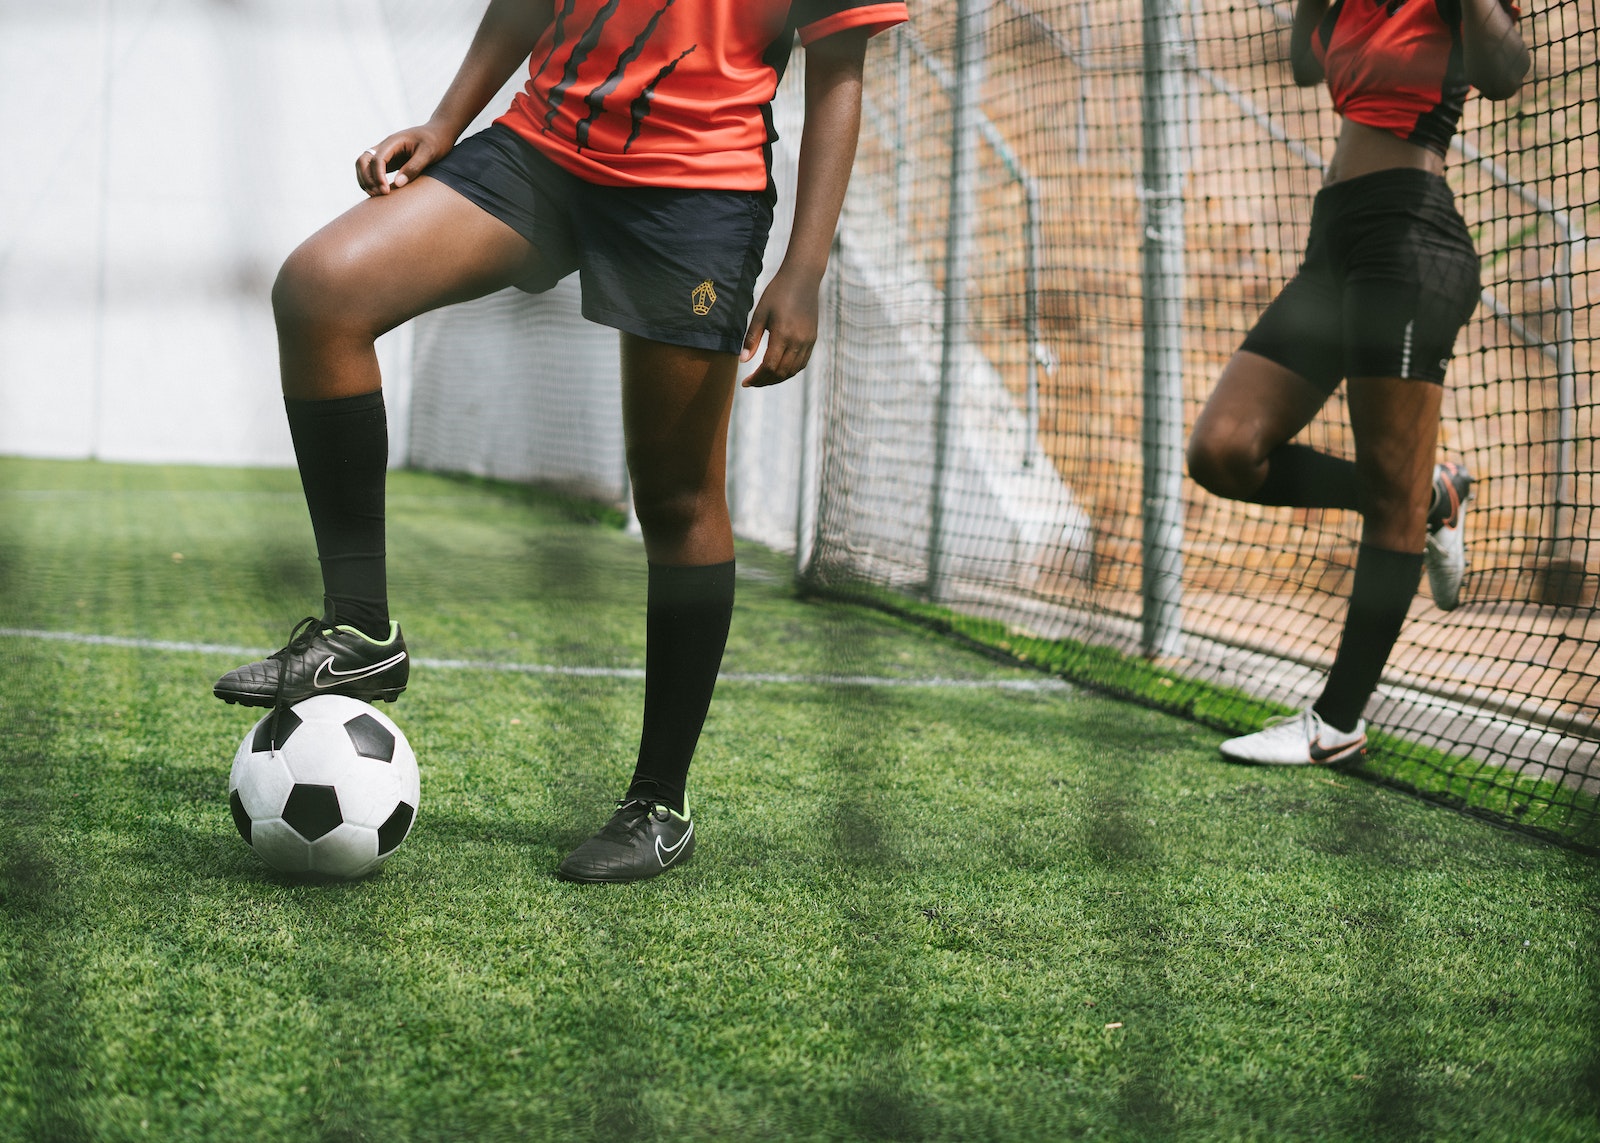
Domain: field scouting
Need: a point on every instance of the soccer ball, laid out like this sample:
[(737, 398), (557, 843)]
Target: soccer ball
[(326, 786)]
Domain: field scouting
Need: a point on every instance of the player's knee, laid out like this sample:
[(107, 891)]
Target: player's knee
[(293, 302), (307, 291), (1396, 506), (1220, 466), (667, 513)]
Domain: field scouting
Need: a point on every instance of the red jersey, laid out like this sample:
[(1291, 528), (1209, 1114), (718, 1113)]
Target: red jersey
[(671, 93), (1396, 65)]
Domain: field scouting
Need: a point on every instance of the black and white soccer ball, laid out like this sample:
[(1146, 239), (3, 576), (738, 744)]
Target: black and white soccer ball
[(326, 786)]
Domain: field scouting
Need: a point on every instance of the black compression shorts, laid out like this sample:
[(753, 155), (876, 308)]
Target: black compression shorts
[(1390, 277), (670, 264)]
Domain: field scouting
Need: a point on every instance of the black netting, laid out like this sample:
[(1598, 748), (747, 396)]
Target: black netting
[(1040, 428)]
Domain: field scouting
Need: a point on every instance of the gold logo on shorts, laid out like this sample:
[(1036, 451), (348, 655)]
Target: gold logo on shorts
[(704, 297)]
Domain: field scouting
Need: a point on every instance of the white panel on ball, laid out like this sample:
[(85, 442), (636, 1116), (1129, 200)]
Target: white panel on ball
[(349, 851), (263, 782), (280, 847)]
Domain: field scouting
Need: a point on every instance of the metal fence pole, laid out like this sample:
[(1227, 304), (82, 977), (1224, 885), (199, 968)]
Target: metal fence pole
[(1563, 570), (902, 161), (1165, 163), (971, 21), (1040, 356), (1038, 351), (1083, 84)]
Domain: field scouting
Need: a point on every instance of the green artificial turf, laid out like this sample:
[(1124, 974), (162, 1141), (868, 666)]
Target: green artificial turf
[(929, 911), (1558, 812)]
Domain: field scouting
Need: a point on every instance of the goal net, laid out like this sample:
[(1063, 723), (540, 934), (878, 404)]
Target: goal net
[(1064, 216)]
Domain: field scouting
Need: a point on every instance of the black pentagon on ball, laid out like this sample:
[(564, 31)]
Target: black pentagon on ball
[(312, 811), (370, 738), (392, 832), (274, 730), (240, 818)]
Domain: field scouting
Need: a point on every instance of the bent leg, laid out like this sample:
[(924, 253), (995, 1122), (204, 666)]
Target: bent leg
[(382, 262), (1256, 408), (676, 403), (1396, 426)]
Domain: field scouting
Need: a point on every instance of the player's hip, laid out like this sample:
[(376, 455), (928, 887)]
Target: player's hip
[(675, 264)]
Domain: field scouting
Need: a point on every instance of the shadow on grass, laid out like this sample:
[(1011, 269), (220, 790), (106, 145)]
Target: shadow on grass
[(859, 759), (36, 911), (1360, 829), (1116, 836)]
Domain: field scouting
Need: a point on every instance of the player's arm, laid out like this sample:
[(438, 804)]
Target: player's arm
[(505, 37), (1493, 53), (787, 311), (1307, 15)]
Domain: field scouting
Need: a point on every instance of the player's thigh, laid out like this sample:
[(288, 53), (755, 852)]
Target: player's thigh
[(392, 257), (1395, 423), (676, 402), (1282, 374), (1257, 405)]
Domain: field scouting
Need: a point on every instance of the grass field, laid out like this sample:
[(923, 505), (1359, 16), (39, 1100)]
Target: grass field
[(935, 897)]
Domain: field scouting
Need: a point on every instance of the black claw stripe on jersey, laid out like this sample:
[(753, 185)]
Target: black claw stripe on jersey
[(577, 58), (559, 37), (639, 109), (596, 98)]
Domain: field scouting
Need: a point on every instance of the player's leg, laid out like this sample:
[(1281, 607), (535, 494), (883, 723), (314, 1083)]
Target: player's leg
[(1395, 422), (676, 404), (381, 263), (1240, 444), (1288, 365), (675, 270), (1409, 282)]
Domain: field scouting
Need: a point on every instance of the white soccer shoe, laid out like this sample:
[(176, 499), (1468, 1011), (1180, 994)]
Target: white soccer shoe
[(1446, 553), (1297, 740)]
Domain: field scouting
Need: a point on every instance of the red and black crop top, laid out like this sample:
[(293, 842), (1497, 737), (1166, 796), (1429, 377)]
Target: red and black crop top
[(1396, 65)]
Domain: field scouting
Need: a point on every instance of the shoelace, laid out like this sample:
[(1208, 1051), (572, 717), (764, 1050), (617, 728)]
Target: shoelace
[(643, 805), (643, 810), (299, 639)]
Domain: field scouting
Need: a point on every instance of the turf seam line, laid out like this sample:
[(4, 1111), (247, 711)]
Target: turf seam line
[(935, 682)]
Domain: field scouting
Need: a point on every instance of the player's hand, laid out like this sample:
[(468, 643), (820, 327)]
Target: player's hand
[(413, 149), (787, 315)]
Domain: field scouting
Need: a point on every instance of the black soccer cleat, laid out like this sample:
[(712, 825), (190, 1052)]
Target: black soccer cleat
[(321, 660), (642, 839)]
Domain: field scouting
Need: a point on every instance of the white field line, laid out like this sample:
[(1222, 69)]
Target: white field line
[(936, 682)]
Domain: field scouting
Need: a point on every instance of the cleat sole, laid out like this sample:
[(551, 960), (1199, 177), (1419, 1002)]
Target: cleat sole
[(237, 698)]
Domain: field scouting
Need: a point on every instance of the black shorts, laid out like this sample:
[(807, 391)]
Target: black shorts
[(1390, 277), (670, 264)]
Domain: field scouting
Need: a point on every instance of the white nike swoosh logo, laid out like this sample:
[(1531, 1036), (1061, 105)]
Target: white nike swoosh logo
[(667, 854), (350, 676)]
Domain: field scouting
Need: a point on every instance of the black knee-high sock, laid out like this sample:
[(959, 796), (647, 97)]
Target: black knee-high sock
[(1385, 583), (342, 447), (1301, 477), (686, 629)]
